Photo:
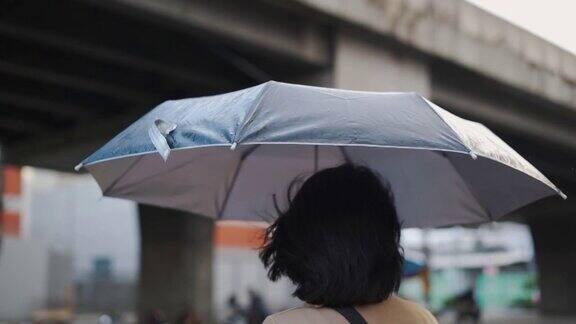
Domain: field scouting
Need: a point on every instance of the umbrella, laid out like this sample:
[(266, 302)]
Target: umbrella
[(232, 156)]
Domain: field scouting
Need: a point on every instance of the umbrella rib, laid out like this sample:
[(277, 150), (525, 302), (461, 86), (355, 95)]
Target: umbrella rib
[(344, 154), (430, 104), (178, 167), (470, 188), (115, 182), (252, 112), (316, 153), (234, 177)]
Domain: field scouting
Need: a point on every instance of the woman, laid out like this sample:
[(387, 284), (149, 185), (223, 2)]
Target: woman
[(338, 242)]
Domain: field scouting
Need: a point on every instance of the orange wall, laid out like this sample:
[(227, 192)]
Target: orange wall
[(248, 236), (12, 180), (10, 221)]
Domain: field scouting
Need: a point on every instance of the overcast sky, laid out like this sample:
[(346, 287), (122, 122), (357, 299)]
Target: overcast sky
[(553, 20)]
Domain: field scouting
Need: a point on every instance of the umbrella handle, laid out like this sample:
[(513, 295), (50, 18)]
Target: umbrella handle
[(157, 133)]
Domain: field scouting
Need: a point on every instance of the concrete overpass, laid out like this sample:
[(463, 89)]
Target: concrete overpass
[(74, 72)]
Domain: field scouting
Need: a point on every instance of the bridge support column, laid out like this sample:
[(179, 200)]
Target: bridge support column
[(362, 63), (555, 247), (175, 264)]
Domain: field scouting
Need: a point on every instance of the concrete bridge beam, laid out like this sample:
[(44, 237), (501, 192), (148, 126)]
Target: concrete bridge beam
[(459, 32), (360, 63), (247, 25)]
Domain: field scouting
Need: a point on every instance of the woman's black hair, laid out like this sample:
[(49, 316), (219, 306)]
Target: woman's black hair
[(338, 241)]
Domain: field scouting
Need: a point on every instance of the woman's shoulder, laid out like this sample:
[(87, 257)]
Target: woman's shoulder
[(411, 312), (305, 314), (394, 310)]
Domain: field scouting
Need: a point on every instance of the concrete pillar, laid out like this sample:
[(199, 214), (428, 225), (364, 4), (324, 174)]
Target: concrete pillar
[(555, 247), (370, 64), (175, 264)]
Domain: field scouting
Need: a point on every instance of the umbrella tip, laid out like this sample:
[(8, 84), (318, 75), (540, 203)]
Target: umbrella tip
[(233, 146), (78, 167), (563, 195), (473, 155)]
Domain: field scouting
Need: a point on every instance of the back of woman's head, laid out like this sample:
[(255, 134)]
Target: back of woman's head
[(338, 241)]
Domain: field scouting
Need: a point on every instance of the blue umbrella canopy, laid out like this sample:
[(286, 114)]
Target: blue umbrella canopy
[(232, 156)]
